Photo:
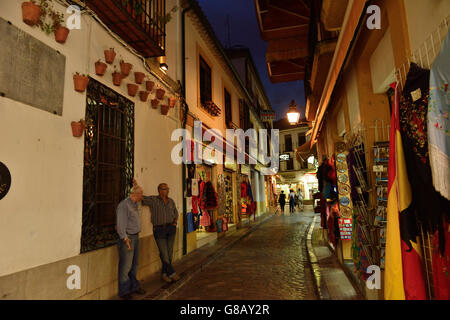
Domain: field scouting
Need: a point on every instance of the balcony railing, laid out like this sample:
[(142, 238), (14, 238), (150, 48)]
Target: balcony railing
[(140, 23)]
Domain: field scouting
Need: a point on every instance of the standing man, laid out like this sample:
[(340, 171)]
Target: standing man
[(164, 216), (282, 200), (128, 227)]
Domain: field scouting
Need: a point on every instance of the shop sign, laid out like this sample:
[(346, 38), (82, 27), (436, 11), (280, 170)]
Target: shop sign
[(285, 157), (267, 115), (5, 180)]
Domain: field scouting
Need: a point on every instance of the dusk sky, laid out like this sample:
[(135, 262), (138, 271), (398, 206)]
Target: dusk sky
[(244, 31)]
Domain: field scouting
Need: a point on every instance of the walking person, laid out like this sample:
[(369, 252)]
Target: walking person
[(164, 217), (300, 199), (128, 227), (291, 201), (282, 201)]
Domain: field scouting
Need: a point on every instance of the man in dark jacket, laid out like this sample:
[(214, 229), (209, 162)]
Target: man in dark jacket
[(282, 201)]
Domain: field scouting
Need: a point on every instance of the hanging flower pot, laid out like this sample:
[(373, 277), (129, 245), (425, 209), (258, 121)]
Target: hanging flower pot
[(100, 68), (110, 55), (160, 93), (149, 85), (117, 78), (31, 13), (172, 102), (132, 89), (139, 77), (61, 34), (155, 103), (77, 128), (164, 109), (125, 68), (144, 95), (80, 82)]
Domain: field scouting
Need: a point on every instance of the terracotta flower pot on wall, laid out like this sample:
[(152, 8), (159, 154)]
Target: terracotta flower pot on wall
[(117, 78), (80, 82), (100, 68), (30, 13), (144, 95), (160, 93), (172, 102), (61, 34), (110, 55), (149, 85), (77, 128), (125, 68), (139, 77), (132, 89), (164, 109), (155, 103)]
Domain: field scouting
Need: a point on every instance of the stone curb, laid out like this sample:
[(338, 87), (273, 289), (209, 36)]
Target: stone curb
[(319, 285), (165, 293)]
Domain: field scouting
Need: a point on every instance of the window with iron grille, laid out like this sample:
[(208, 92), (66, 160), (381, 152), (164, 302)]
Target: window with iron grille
[(290, 164), (228, 114), (301, 139), (205, 82), (108, 163), (287, 143)]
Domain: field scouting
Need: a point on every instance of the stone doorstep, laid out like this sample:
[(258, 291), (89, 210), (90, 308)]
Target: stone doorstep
[(193, 262)]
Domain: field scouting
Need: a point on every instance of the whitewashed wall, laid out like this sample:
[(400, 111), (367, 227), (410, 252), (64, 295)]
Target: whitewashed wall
[(40, 218)]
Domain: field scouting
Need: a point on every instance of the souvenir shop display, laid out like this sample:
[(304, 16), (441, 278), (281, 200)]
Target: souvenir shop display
[(345, 202), (228, 184)]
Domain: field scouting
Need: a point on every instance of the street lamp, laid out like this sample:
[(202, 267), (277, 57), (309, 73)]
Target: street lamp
[(293, 115)]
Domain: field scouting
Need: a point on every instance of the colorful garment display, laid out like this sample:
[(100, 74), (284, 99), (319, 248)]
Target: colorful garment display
[(244, 189), (205, 219), (194, 204), (441, 266), (209, 197), (195, 188), (438, 121), (190, 222)]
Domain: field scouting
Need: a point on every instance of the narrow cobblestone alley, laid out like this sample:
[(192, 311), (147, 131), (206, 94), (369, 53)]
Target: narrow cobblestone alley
[(270, 263)]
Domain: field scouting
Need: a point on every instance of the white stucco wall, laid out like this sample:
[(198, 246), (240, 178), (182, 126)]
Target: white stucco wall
[(40, 218), (351, 85), (382, 65), (423, 19)]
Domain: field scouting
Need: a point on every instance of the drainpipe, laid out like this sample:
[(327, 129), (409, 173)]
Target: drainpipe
[(186, 110)]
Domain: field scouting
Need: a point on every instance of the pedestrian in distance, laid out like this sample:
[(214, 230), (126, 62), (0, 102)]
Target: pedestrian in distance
[(300, 199), (292, 201), (128, 226), (282, 201)]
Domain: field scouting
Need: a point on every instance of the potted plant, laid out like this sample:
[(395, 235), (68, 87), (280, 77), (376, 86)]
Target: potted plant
[(61, 32), (80, 82), (117, 77), (172, 102), (100, 68), (132, 89), (31, 12), (155, 103), (78, 128), (165, 109), (149, 85), (110, 55), (144, 95), (125, 68), (139, 77), (160, 93)]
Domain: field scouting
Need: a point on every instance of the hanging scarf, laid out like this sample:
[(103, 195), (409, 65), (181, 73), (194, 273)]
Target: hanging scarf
[(438, 121)]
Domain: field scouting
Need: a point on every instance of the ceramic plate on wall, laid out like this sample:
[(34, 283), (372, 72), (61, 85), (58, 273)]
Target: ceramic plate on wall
[(343, 178), (345, 201), (344, 189)]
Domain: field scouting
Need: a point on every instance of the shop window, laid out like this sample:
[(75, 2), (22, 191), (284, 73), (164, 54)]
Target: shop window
[(205, 82), (228, 110), (108, 163)]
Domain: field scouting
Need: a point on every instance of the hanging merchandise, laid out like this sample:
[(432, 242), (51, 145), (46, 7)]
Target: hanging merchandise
[(249, 191), (438, 121), (188, 187), (189, 204), (194, 200), (228, 186), (403, 271), (196, 221), (244, 189), (191, 171), (210, 197), (205, 219), (201, 188), (441, 266), (194, 187), (190, 222), (219, 224), (345, 202), (225, 223)]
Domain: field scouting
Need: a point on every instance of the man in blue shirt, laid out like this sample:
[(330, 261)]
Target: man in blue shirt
[(128, 227)]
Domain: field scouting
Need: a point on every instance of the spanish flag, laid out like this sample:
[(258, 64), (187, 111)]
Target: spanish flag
[(404, 278)]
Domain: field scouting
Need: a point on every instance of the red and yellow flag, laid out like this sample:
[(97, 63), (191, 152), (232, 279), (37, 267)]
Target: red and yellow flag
[(403, 269)]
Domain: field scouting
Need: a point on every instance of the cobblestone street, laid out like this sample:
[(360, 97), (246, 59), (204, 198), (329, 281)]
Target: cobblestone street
[(270, 263)]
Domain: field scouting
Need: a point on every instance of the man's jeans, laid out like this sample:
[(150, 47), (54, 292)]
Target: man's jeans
[(165, 238), (128, 265)]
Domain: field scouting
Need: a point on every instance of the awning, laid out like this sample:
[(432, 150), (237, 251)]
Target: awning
[(304, 151)]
